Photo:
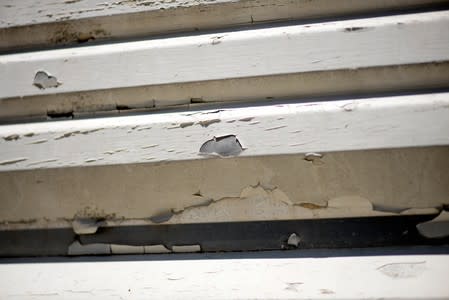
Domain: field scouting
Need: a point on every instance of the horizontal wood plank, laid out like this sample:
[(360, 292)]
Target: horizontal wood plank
[(371, 123), (361, 43), (192, 95), (26, 24), (340, 274)]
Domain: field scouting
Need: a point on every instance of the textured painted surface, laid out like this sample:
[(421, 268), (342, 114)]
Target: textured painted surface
[(27, 24), (289, 128), (349, 44), (258, 188), (240, 276), (22, 13), (194, 94)]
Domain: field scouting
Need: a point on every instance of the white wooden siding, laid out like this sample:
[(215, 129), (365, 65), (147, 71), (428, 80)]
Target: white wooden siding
[(360, 43), (304, 275), (27, 23), (371, 123)]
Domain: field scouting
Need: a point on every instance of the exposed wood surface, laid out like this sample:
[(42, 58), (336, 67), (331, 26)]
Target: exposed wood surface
[(352, 44), (240, 276), (47, 23)]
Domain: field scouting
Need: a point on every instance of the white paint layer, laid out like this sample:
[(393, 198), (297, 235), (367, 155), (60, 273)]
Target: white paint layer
[(372, 123), (274, 276), (351, 44), (22, 25)]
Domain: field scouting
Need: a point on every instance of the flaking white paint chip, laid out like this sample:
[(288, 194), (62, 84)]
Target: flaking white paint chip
[(293, 240), (85, 226), (227, 145), (156, 249), (126, 249), (44, 80), (436, 228)]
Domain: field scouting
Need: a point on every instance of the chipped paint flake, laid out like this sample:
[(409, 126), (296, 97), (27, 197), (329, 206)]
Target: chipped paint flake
[(156, 249), (85, 225), (13, 161), (315, 158), (435, 228), (275, 127), (207, 123), (149, 146), (43, 80), (293, 240), (12, 137), (403, 269), (224, 146), (162, 217), (42, 162), (38, 141), (126, 249)]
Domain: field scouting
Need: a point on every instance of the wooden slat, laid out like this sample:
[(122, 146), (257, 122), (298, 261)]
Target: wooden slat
[(25, 24), (372, 123), (191, 95), (354, 274), (351, 44)]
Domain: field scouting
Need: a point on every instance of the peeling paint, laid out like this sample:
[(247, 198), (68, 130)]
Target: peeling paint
[(435, 228), (389, 208), (12, 161), (276, 127), (68, 134), (111, 152), (293, 240), (217, 39), (125, 249), (89, 160), (403, 270), (293, 286), (43, 80), (86, 225), (311, 205), (315, 158), (12, 137), (149, 146), (156, 249), (186, 124), (42, 162), (227, 145), (162, 217), (349, 106), (144, 128), (352, 29), (38, 141), (267, 201), (247, 119), (91, 130), (206, 123), (207, 202)]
